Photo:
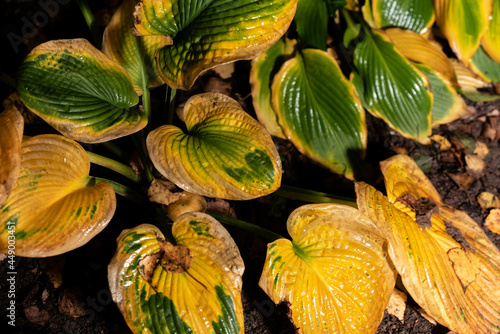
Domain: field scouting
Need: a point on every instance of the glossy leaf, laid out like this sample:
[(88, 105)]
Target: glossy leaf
[(319, 111), (455, 279), (392, 88), (224, 153), (203, 298), (447, 105), (463, 22), (208, 33), (135, 54), (415, 15), (55, 206), (312, 23), (486, 67), (264, 67), (491, 40), (470, 83), (11, 137), (79, 91), (418, 49), (333, 274)]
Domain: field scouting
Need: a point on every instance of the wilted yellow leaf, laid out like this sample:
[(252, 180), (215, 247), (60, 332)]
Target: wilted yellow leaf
[(11, 136), (488, 201), (444, 144), (333, 273), (492, 222)]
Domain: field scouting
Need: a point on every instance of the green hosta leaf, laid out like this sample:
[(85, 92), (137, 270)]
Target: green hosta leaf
[(263, 70), (79, 91), (224, 153), (11, 137), (319, 112), (55, 206), (415, 15), (333, 5), (464, 23), (447, 106), (491, 40), (312, 23), (193, 287), (135, 54), (207, 33), (392, 88), (334, 273), (486, 67), (470, 83)]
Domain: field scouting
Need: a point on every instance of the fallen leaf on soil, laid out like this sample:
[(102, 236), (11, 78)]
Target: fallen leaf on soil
[(462, 180), (488, 201), (221, 206), (397, 305), (53, 268), (492, 222), (162, 191), (489, 132), (400, 150), (481, 150), (444, 144), (36, 316), (475, 165)]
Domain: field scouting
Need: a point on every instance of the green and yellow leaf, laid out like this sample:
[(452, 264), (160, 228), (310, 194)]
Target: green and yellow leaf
[(417, 48), (193, 287), (264, 67), (319, 111), (447, 105), (392, 88), (464, 23), (485, 66), (208, 33), (471, 83), (55, 206), (453, 277), (135, 54), (334, 273), (80, 91), (11, 137), (491, 39), (415, 15), (225, 153)]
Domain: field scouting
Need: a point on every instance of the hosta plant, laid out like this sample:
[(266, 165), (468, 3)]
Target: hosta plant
[(338, 270)]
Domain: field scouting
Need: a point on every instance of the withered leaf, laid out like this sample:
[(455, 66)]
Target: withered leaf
[(175, 259), (147, 266)]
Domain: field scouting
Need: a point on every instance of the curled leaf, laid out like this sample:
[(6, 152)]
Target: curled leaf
[(450, 267), (55, 206), (203, 297), (224, 153), (135, 54), (79, 91), (11, 136), (210, 33), (333, 273)]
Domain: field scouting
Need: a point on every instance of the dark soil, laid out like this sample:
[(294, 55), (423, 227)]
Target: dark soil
[(70, 294)]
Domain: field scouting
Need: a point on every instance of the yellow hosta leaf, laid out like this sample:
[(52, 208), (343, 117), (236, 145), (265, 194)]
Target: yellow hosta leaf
[(135, 54), (418, 49), (11, 136), (464, 23), (334, 273), (55, 206), (470, 83), (449, 266), (203, 297), (492, 222), (491, 40), (224, 153)]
